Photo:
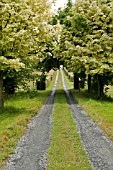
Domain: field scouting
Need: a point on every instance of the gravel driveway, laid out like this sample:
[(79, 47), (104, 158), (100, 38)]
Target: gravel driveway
[(31, 151), (32, 148), (98, 147)]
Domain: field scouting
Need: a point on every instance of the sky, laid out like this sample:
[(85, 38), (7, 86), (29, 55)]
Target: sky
[(60, 3)]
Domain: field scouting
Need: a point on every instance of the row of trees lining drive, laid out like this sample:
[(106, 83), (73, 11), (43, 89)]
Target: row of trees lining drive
[(86, 42), (80, 35), (23, 36), (27, 42)]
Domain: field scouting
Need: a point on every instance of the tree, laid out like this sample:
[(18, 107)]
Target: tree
[(87, 41), (23, 35), (71, 42), (59, 21), (99, 41)]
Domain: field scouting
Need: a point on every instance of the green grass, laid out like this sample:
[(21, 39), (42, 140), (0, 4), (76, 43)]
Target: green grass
[(19, 109), (65, 150), (100, 111)]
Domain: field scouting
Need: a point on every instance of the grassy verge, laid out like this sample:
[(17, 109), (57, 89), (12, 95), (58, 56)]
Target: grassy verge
[(65, 150), (100, 111), (19, 109)]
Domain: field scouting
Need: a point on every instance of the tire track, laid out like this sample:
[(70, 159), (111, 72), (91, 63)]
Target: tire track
[(31, 151), (98, 147)]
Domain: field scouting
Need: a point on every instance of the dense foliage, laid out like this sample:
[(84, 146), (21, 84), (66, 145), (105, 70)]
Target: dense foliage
[(23, 35), (86, 43)]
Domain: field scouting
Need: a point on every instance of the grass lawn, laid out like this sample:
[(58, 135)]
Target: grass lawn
[(19, 109), (65, 152), (100, 111)]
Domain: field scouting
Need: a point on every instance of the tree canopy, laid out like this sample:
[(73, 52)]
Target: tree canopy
[(22, 31), (86, 43), (23, 34)]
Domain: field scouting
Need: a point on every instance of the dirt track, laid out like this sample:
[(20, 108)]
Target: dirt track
[(31, 151), (98, 147)]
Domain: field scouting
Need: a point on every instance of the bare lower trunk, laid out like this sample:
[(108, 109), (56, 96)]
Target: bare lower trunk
[(1, 90), (76, 82), (100, 85), (89, 83)]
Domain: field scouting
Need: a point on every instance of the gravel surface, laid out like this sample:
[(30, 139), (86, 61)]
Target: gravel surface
[(31, 151), (98, 147)]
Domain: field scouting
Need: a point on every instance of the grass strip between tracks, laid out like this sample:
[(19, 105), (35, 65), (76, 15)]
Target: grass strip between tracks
[(19, 109), (65, 150)]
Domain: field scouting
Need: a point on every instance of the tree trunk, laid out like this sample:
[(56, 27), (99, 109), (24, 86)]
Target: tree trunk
[(1, 91), (89, 83), (82, 83), (76, 82), (41, 84), (100, 85), (101, 89)]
